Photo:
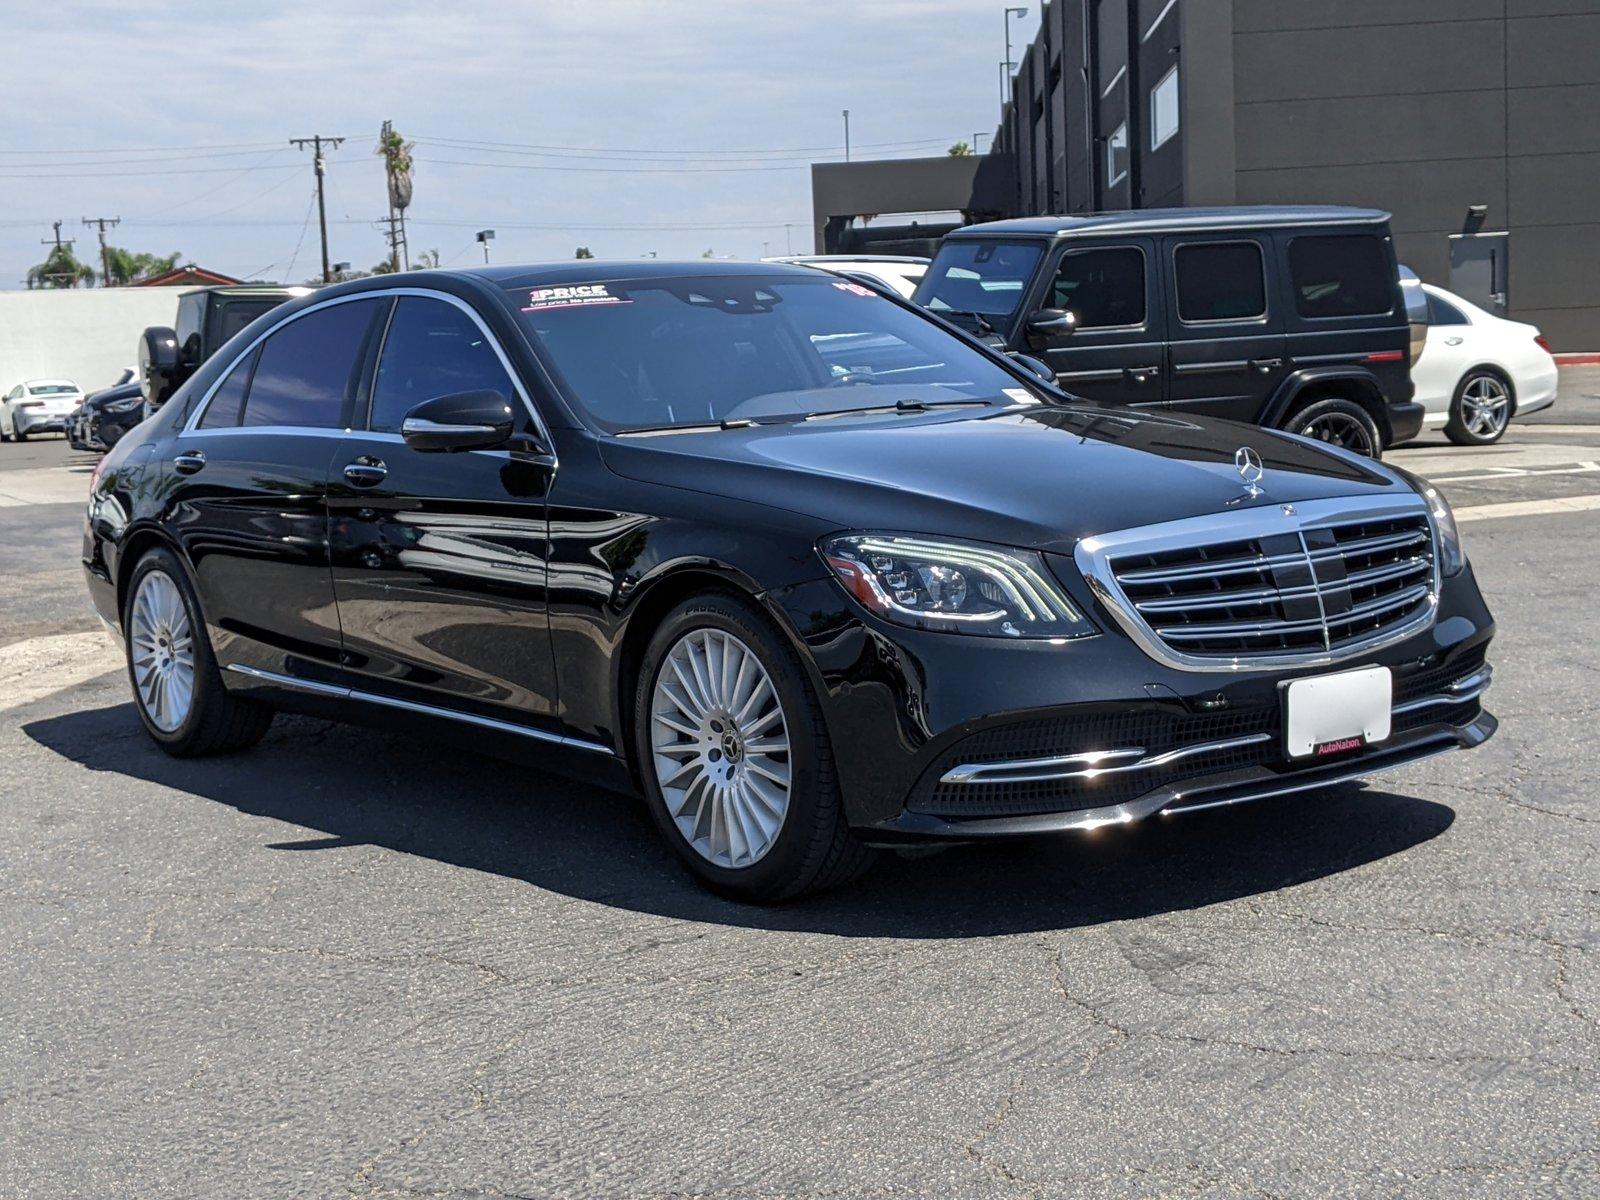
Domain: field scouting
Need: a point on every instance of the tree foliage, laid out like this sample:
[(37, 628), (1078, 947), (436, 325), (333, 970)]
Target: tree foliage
[(61, 269), (584, 252), (960, 150), (130, 266)]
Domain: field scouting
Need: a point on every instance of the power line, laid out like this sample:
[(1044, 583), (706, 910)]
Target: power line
[(474, 143), (148, 149)]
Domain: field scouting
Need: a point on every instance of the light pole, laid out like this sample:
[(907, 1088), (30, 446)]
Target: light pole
[(485, 236), (1005, 71), (847, 135)]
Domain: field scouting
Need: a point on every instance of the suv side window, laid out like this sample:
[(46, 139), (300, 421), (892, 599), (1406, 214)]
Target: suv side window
[(432, 349), (305, 371), (1104, 287), (227, 402), (1220, 281), (1342, 275), (1442, 312)]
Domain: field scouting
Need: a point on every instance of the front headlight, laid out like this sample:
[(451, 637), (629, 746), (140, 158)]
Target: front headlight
[(1452, 558), (133, 404), (954, 587)]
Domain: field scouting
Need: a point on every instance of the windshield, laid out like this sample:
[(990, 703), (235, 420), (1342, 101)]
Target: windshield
[(52, 389), (696, 350), (978, 277)]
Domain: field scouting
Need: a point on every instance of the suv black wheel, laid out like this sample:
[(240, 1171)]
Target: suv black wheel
[(734, 756), (1480, 411), (177, 688), (1338, 422)]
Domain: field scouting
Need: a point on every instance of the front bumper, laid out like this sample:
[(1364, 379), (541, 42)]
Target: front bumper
[(905, 708)]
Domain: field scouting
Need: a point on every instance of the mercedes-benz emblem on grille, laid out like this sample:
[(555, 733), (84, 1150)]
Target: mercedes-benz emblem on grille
[(1248, 463)]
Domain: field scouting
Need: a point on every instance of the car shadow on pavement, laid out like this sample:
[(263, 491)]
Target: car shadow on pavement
[(354, 786)]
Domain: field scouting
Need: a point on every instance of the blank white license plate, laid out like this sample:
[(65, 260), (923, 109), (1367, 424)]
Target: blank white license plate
[(1328, 714)]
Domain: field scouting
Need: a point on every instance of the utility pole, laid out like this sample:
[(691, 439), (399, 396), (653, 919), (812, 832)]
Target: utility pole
[(105, 258), (847, 135), (316, 141), (60, 245)]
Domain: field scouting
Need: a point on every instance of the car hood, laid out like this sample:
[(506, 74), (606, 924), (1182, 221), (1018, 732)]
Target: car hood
[(1042, 477)]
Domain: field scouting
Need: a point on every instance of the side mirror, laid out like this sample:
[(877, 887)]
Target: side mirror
[(161, 368), (1049, 324), (460, 421), (1034, 367)]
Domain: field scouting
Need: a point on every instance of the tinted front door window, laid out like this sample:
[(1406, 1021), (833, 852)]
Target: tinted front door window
[(432, 349), (1104, 287), (1220, 281), (309, 368)]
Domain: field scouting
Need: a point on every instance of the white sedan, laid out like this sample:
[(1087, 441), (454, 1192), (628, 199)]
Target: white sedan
[(898, 271), (38, 406), (1478, 371)]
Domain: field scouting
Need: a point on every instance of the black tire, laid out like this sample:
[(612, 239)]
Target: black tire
[(1339, 422), (18, 434), (217, 722), (1464, 431), (814, 848)]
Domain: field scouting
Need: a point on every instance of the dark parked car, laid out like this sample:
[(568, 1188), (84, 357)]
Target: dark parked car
[(104, 416), (811, 571), (207, 318), (1292, 317)]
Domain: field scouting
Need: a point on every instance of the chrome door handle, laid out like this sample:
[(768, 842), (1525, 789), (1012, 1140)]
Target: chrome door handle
[(365, 472), (1453, 341), (188, 462), (1142, 374), (1266, 365)]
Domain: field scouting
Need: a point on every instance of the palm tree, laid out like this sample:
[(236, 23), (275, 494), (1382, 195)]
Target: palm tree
[(60, 269), (127, 266), (960, 150)]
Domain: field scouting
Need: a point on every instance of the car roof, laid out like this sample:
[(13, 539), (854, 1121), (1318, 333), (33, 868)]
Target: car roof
[(1163, 220), (41, 382), (254, 289), (596, 270), (909, 259)]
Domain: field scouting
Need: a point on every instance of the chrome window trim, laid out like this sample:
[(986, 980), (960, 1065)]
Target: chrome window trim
[(1093, 557), (348, 693), (191, 422)]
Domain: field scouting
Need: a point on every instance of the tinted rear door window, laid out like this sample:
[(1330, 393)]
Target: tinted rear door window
[(308, 368), (432, 349), (1104, 287), (228, 400), (1220, 281), (1340, 276)]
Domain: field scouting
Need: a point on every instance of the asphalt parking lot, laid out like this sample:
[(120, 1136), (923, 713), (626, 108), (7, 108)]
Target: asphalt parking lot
[(351, 964)]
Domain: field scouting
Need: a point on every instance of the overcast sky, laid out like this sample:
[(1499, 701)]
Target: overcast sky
[(184, 111)]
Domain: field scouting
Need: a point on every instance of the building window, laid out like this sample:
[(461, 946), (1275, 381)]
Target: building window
[(1164, 109), (1117, 155)]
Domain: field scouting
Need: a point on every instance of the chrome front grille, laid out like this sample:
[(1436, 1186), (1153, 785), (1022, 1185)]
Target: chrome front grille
[(1277, 584)]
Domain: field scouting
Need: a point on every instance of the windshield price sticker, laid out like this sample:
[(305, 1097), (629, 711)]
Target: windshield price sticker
[(580, 295), (856, 289)]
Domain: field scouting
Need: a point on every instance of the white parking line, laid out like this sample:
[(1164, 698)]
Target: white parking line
[(1529, 508), (38, 667), (1581, 468)]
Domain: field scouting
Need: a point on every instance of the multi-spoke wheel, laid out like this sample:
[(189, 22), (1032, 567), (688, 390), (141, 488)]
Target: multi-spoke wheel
[(161, 650), (721, 747), (177, 688), (734, 756), (1480, 409), (1339, 422)]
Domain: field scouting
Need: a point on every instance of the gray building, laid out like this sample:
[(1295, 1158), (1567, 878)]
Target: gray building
[(1421, 107)]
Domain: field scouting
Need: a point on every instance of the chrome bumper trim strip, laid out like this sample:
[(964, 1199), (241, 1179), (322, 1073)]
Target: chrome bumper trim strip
[(1037, 770)]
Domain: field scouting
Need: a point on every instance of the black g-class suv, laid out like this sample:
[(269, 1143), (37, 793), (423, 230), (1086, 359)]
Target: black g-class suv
[(207, 317), (1288, 317)]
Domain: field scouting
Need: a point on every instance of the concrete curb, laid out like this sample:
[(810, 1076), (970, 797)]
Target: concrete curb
[(1577, 360)]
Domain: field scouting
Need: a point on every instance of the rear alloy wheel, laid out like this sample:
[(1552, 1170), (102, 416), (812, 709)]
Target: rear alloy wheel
[(177, 688), (734, 756), (1339, 422), (1480, 411)]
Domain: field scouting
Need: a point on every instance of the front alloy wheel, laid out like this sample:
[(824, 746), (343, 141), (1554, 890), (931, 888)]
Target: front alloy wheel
[(734, 756), (721, 748)]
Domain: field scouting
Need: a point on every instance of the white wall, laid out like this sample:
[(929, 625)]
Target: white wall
[(87, 335)]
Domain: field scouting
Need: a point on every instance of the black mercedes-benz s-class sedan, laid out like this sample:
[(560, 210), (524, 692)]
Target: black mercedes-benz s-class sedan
[(813, 571)]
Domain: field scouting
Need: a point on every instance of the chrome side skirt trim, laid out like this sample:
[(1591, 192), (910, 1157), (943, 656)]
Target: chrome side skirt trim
[(1038, 770), (345, 693)]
